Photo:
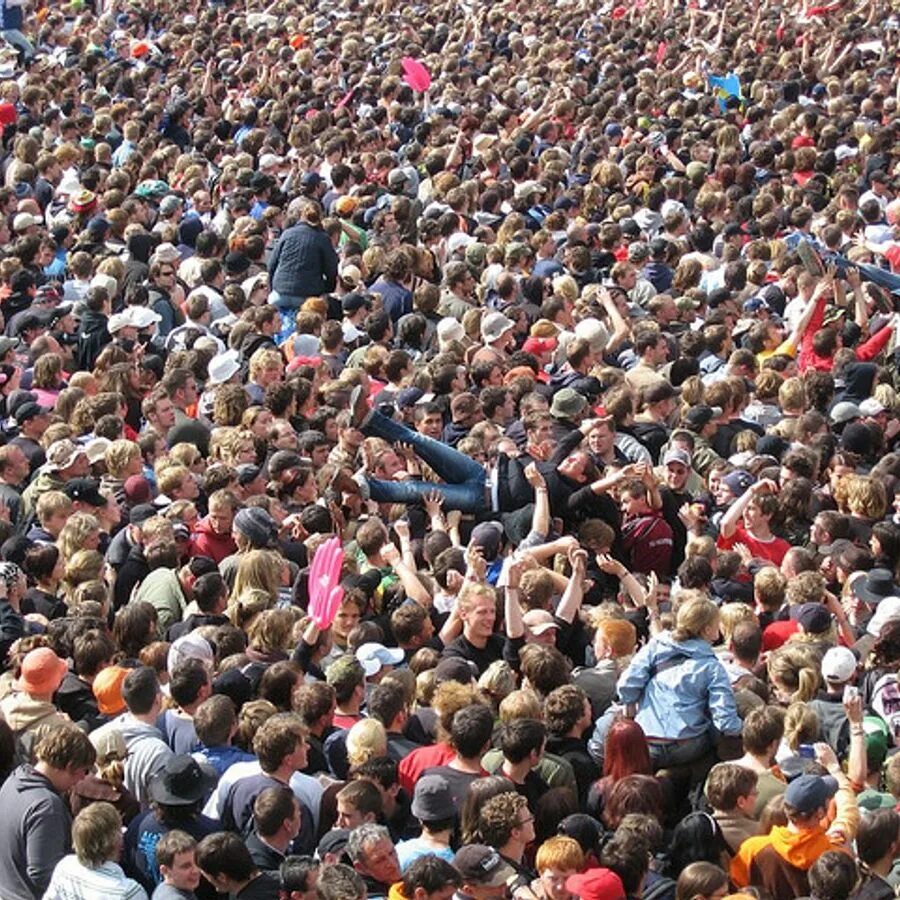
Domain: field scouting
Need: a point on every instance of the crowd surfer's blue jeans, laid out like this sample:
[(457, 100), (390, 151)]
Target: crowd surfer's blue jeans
[(465, 478)]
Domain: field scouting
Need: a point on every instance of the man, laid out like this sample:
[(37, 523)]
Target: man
[(652, 349), (430, 878), (181, 387), (651, 425), (522, 742), (477, 609), (387, 704), (65, 461), (470, 738), (374, 857), (35, 830), (14, 471), (483, 871), (458, 295), (780, 860), (358, 803), (280, 746), (276, 822), (32, 420), (148, 753), (506, 824), (227, 865)]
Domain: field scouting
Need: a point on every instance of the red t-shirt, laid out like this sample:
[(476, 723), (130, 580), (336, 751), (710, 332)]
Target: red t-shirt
[(772, 550), (422, 758)]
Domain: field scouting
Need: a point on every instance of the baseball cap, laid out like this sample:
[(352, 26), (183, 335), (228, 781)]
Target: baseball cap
[(677, 456), (450, 330), (699, 416), (482, 866), (813, 618), (808, 793), (350, 303), (25, 220), (374, 657), (871, 407), (189, 646), (739, 481), (839, 664), (596, 884), (28, 411), (453, 669), (85, 490), (538, 621), (843, 412)]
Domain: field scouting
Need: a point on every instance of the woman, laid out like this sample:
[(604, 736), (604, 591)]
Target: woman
[(627, 753), (696, 838), (701, 881), (677, 689), (92, 871)]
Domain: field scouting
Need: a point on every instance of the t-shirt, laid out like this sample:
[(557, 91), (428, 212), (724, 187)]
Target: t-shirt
[(459, 782), (463, 648), (409, 851), (772, 550)]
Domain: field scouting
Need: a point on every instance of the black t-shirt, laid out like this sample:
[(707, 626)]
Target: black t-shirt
[(265, 886), (459, 782), (482, 657)]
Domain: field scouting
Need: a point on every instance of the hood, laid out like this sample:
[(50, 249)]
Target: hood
[(72, 686), (26, 778), (132, 730), (666, 646), (23, 712), (800, 848)]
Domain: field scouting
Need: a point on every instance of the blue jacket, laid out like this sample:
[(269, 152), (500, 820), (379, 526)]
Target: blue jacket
[(680, 688), (303, 263)]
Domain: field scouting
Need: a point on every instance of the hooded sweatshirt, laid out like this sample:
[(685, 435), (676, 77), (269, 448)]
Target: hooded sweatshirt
[(780, 860), (25, 714), (34, 833), (208, 542), (148, 753)]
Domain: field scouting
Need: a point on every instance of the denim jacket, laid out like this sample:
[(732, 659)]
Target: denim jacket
[(680, 688)]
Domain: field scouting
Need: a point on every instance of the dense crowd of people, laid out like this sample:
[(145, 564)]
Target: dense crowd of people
[(449, 451)]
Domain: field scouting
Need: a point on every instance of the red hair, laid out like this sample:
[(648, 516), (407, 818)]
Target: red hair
[(626, 751)]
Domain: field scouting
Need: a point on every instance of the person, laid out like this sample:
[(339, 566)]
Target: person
[(436, 812), (176, 854), (276, 823), (36, 832), (226, 864), (429, 876), (770, 860), (557, 859), (483, 871), (677, 715), (92, 870), (374, 857)]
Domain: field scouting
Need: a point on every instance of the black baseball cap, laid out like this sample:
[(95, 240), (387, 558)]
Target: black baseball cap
[(85, 490)]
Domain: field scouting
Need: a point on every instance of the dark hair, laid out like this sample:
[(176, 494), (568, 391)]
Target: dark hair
[(140, 690), (271, 807), (295, 871), (471, 730), (224, 853), (386, 702), (634, 794), (207, 591), (431, 873), (381, 770), (877, 834), (187, 680), (833, 876), (696, 838)]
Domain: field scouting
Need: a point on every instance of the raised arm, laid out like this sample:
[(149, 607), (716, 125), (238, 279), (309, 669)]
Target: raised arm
[(733, 514), (573, 596)]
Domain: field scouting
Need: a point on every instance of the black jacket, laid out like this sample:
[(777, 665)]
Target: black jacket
[(303, 263), (93, 336)]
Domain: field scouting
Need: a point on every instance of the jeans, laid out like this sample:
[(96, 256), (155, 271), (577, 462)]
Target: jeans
[(663, 755), (465, 478), (20, 42)]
